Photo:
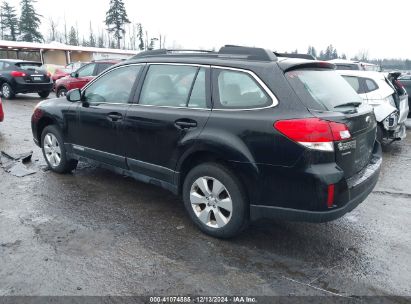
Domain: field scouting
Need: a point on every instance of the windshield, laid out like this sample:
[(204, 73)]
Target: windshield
[(29, 65), (322, 89)]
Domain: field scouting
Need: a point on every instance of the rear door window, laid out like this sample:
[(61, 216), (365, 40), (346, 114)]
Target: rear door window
[(198, 97), (238, 90), (168, 85), (102, 67), (322, 89)]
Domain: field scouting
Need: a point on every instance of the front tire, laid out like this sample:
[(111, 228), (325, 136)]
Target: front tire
[(44, 94), (54, 151), (215, 200), (7, 91), (61, 92)]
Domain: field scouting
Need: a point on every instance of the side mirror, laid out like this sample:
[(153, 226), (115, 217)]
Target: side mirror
[(74, 75), (74, 95)]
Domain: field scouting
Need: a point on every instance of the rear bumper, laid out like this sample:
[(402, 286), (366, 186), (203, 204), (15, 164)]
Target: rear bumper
[(358, 187), (19, 86)]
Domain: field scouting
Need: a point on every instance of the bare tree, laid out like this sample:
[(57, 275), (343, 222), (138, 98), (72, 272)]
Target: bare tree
[(53, 30)]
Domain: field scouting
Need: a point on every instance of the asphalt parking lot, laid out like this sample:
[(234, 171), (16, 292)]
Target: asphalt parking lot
[(94, 232)]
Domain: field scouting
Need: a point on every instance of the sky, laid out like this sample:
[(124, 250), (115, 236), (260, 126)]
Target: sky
[(351, 26)]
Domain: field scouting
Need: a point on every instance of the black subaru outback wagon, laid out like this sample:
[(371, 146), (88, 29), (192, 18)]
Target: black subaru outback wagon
[(241, 134)]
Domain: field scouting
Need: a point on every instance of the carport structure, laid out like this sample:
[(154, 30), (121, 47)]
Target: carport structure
[(58, 53)]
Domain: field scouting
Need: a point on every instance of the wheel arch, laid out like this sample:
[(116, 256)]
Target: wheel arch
[(42, 124), (245, 172)]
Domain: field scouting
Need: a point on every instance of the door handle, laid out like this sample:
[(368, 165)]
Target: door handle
[(186, 123), (114, 116)]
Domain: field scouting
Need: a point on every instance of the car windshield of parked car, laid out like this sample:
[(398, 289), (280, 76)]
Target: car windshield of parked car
[(29, 65), (113, 87), (322, 89)]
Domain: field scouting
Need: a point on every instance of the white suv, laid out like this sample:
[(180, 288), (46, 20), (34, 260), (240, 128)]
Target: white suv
[(390, 102)]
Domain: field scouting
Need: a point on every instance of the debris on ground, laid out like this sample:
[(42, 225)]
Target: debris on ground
[(15, 163)]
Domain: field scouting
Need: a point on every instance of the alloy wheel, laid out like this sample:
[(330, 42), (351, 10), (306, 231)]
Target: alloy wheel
[(6, 91), (211, 202), (52, 150)]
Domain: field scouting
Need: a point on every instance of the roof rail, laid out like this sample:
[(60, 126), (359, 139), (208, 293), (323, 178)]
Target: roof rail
[(227, 51), (167, 52)]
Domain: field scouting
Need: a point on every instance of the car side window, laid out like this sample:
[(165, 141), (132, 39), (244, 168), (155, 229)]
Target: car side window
[(198, 97), (114, 86), (371, 85), (168, 85), (239, 90), (354, 83), (87, 70), (102, 67)]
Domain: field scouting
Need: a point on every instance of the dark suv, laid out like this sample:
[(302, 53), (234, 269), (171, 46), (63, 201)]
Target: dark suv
[(241, 134), (19, 76)]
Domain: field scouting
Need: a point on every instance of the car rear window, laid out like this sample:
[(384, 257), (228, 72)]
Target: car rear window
[(29, 65), (322, 89)]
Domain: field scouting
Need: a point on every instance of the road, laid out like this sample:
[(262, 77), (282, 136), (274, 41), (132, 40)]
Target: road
[(94, 232)]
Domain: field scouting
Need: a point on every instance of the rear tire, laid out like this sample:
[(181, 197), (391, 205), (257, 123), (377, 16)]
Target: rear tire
[(44, 94), (7, 91), (215, 200), (54, 151), (61, 92)]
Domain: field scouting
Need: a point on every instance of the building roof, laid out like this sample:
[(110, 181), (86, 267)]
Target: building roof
[(34, 46)]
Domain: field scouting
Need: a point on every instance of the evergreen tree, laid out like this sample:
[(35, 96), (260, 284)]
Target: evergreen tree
[(100, 41), (72, 37), (140, 37), (322, 55), (30, 22), (334, 54), (9, 22), (92, 39), (116, 18), (343, 56)]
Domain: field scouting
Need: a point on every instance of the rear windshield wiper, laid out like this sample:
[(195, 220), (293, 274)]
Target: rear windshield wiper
[(349, 104)]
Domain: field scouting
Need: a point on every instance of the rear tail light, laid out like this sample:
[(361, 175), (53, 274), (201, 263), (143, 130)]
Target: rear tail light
[(18, 74), (314, 133)]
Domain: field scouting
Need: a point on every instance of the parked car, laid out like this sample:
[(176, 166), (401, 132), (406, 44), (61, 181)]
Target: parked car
[(79, 78), (405, 80), (60, 73), (19, 76), (234, 132), (1, 111), (343, 64), (389, 99)]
